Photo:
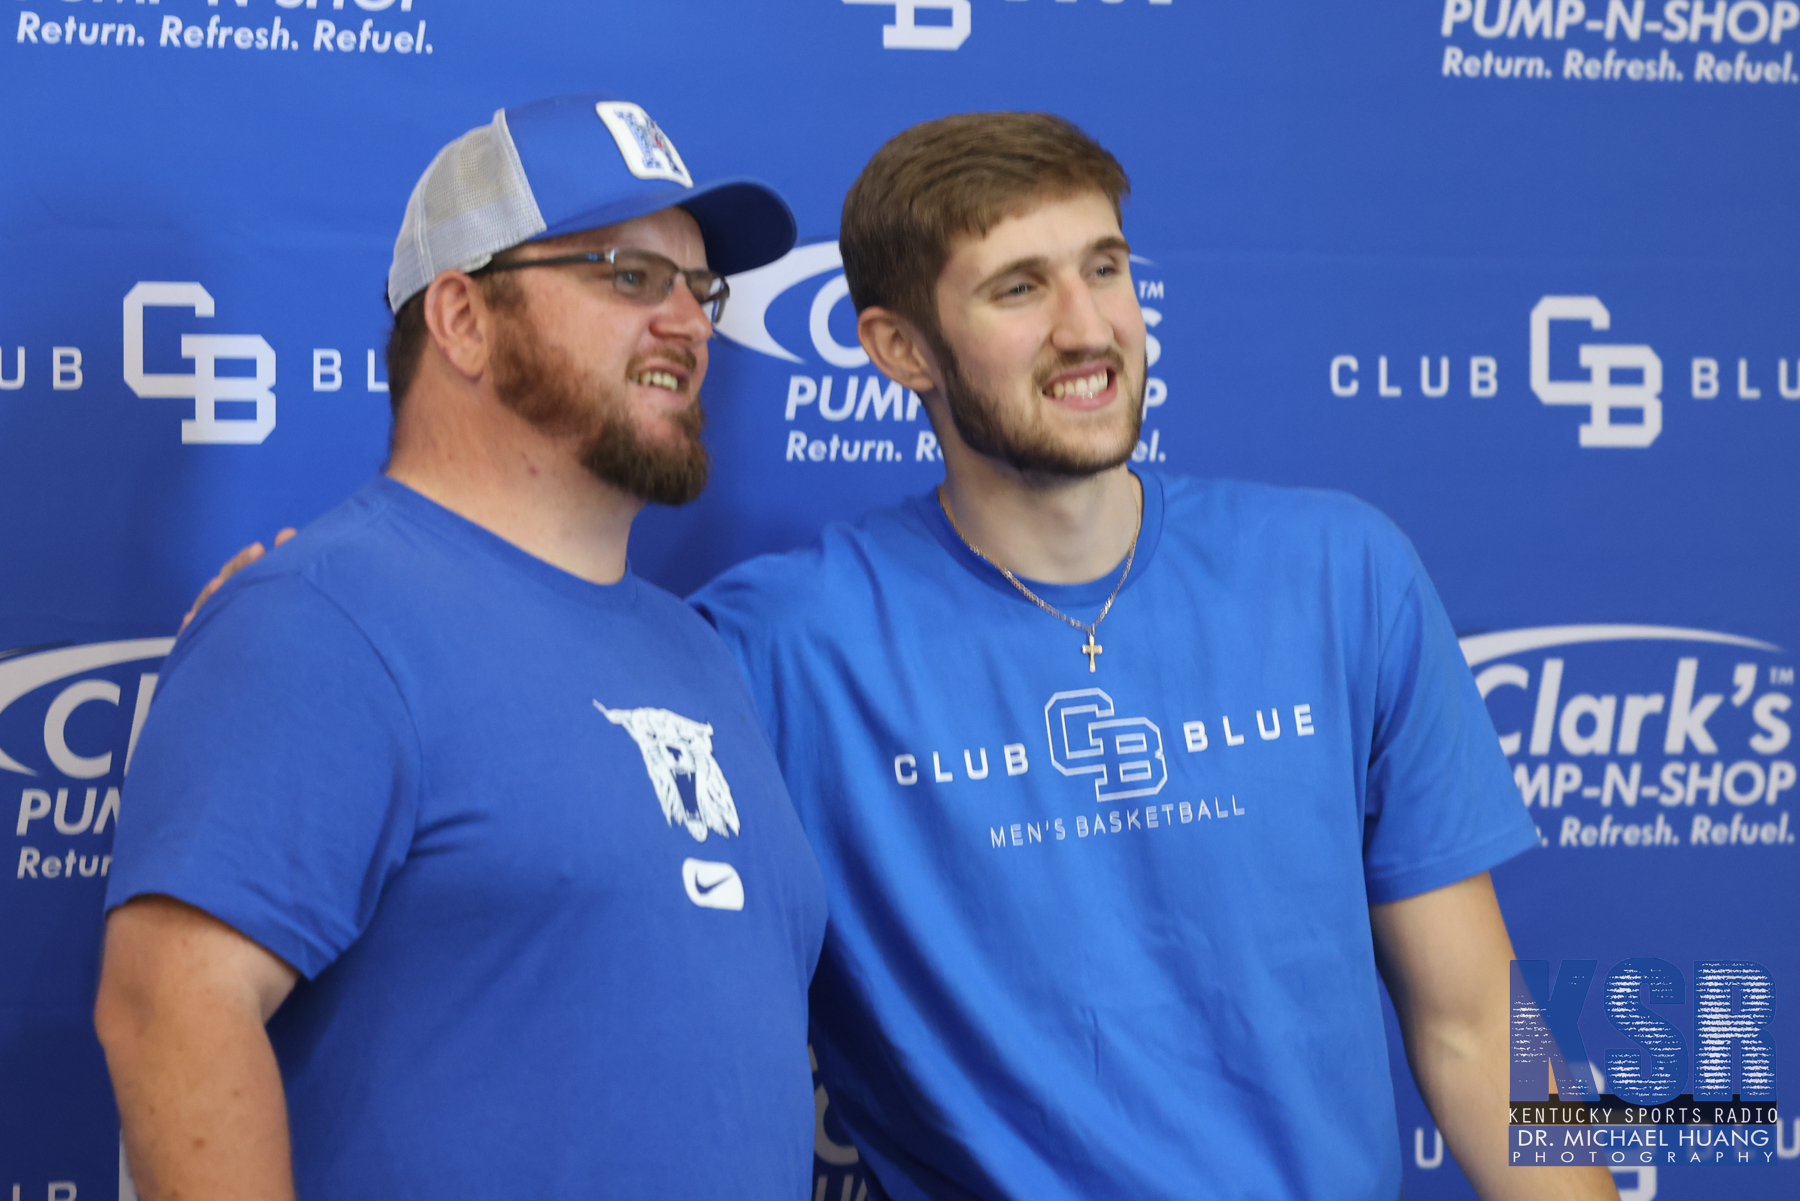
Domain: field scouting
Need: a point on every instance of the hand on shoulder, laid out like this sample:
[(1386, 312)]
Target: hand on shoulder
[(233, 565)]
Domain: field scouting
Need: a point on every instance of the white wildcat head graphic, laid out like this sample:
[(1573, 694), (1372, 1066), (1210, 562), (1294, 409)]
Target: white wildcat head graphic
[(674, 746)]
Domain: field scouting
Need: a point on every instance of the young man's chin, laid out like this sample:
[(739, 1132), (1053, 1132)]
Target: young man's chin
[(1099, 447), (1063, 459)]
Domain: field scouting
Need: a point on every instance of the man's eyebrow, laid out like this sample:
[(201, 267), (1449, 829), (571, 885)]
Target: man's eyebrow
[(1109, 242), (1017, 265)]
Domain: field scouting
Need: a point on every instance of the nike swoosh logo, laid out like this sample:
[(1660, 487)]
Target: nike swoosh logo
[(712, 885)]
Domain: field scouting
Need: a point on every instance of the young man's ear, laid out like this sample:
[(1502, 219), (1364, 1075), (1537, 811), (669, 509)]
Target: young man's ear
[(458, 317), (897, 349)]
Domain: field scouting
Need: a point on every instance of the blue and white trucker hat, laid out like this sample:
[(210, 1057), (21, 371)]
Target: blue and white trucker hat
[(564, 165)]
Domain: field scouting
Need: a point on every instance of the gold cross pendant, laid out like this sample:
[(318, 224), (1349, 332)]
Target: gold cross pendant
[(1091, 649)]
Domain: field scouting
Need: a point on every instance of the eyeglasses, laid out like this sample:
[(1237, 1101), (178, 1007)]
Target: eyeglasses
[(638, 275)]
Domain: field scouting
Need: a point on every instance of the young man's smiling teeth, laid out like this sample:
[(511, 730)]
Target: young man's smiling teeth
[(1085, 386)]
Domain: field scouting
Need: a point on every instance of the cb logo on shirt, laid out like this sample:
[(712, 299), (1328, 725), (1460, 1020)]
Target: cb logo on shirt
[(1123, 754)]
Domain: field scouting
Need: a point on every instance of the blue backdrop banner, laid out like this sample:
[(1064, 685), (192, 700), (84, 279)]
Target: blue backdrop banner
[(1522, 273)]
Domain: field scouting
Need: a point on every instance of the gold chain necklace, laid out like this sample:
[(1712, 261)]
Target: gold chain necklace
[(1090, 648)]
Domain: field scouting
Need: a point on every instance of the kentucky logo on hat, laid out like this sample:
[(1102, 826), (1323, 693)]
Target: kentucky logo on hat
[(648, 152), (541, 170)]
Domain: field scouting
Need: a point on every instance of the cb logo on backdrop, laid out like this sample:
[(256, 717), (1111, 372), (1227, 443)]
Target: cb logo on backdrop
[(1619, 383), (1600, 392), (906, 33), (203, 384), (909, 33)]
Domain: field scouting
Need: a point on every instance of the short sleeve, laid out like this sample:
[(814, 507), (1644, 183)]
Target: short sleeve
[(735, 604), (275, 782), (1441, 803)]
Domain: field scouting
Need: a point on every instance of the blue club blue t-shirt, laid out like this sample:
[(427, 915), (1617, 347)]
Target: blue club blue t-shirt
[(1106, 934), (524, 841)]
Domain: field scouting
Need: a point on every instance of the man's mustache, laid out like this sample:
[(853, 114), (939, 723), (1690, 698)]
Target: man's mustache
[(1069, 361)]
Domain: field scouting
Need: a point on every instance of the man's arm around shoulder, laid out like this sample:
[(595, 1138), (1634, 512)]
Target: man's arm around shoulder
[(181, 1013), (1444, 955)]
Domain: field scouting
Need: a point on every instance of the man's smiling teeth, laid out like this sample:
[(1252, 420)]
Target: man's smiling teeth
[(657, 379), (1086, 386)]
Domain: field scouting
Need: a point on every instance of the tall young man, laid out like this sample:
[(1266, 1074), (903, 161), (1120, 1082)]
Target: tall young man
[(1126, 787), (456, 864)]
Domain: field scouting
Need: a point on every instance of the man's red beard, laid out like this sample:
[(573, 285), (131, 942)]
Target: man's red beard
[(542, 384)]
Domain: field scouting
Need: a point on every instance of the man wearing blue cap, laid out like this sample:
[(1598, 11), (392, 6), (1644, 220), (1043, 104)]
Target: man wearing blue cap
[(426, 890)]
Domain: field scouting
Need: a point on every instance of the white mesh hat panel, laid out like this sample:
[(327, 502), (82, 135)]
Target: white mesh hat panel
[(472, 202)]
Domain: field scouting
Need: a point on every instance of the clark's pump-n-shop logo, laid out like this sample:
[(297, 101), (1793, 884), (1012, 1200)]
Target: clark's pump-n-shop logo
[(836, 407), (1624, 42), (852, 414), (164, 36), (1638, 736), (69, 721), (1620, 384)]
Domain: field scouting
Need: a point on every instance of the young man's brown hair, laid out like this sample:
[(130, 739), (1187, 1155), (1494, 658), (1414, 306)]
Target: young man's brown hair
[(941, 180)]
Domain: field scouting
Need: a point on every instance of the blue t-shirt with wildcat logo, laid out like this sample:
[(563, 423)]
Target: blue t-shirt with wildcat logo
[(524, 842)]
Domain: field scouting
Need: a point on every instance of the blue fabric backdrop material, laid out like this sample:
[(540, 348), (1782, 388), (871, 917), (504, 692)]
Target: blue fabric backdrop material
[(1345, 219)]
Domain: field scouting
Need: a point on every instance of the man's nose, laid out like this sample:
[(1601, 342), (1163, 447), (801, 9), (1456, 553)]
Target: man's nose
[(679, 315), (1079, 323)]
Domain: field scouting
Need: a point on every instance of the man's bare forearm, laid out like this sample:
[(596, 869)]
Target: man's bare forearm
[(1464, 1079), (199, 1091), (1444, 955)]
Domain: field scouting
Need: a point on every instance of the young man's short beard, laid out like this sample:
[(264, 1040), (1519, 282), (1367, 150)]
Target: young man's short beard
[(541, 384), (1029, 449)]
